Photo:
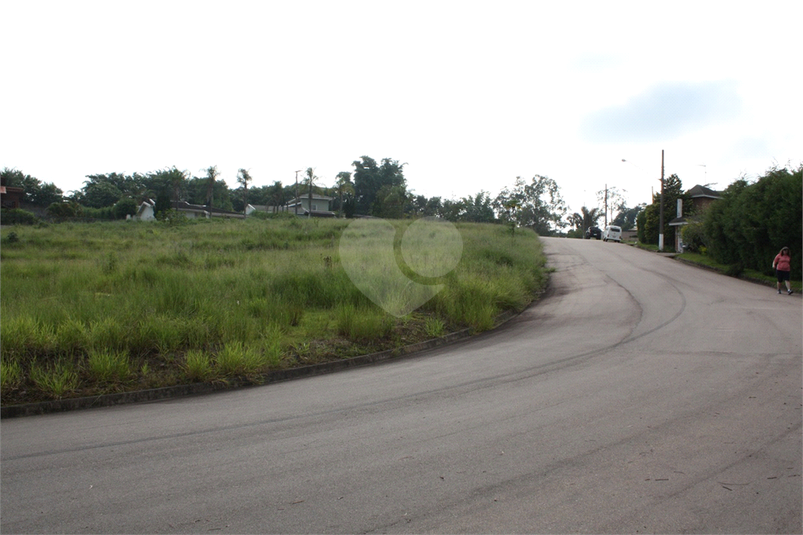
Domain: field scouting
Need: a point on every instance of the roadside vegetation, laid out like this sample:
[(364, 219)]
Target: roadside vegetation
[(728, 269), (118, 306)]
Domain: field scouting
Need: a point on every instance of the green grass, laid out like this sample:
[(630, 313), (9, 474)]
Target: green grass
[(751, 274), (127, 305)]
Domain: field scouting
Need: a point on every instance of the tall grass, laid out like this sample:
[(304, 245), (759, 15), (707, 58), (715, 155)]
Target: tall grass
[(244, 295)]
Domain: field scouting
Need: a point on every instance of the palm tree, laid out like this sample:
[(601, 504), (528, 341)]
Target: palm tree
[(211, 175), (244, 177), (586, 219), (311, 178)]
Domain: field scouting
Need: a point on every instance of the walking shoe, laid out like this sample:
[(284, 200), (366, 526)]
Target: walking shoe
[(789, 292), (779, 291)]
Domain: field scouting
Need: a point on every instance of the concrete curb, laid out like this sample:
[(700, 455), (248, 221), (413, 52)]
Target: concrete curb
[(275, 376)]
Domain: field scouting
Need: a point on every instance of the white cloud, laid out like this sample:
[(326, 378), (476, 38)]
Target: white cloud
[(664, 112)]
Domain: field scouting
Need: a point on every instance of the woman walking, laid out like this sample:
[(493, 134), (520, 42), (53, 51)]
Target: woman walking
[(782, 266)]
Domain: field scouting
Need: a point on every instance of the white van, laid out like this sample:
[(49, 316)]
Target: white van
[(613, 233)]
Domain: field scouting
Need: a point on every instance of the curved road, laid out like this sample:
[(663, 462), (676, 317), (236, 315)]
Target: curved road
[(639, 395)]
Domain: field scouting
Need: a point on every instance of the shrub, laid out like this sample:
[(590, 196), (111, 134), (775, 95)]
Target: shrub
[(693, 236), (751, 222), (124, 207), (16, 216), (65, 210)]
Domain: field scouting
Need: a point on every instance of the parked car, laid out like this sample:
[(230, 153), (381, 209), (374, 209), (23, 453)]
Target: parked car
[(613, 233), (593, 232)]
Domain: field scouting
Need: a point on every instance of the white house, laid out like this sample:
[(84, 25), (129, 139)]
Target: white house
[(321, 205), (147, 211)]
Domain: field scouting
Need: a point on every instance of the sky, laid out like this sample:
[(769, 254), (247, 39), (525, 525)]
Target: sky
[(467, 94)]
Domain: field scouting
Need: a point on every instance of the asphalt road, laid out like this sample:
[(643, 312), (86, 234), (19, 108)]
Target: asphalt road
[(640, 395)]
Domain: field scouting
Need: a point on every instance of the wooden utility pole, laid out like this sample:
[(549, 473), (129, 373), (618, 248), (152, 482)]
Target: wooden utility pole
[(661, 211)]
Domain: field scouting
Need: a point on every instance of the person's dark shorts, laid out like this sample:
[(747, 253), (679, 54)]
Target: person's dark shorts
[(782, 275)]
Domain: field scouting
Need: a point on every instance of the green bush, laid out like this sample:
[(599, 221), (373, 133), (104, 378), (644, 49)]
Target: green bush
[(124, 207), (751, 223), (693, 235), (63, 211), (16, 216)]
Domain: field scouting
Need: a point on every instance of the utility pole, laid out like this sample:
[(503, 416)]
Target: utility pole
[(661, 212), (606, 205), (297, 198)]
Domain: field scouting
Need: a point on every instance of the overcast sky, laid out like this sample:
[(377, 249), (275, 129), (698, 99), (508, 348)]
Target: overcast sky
[(468, 94)]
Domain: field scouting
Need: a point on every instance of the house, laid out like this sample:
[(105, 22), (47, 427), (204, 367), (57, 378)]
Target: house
[(147, 211), (10, 196), (701, 198), (320, 206)]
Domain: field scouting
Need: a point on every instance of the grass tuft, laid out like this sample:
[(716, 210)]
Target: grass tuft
[(108, 366), (55, 380)]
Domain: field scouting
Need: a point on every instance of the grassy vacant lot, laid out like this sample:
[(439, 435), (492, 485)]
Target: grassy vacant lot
[(109, 307)]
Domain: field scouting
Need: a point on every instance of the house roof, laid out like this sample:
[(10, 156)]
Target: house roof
[(315, 196), (702, 191)]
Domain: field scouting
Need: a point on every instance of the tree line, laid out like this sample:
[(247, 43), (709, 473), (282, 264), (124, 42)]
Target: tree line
[(374, 188), (742, 229)]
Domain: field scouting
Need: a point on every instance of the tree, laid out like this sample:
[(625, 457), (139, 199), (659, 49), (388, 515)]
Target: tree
[(751, 222), (311, 178), (673, 190), (35, 192), (585, 219), (369, 178), (124, 207), (277, 195), (243, 178), (162, 204), (536, 204), (626, 218), (211, 178), (100, 194), (610, 198), (343, 185), (390, 202), (478, 209)]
